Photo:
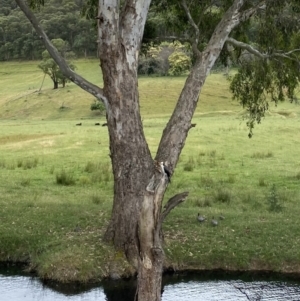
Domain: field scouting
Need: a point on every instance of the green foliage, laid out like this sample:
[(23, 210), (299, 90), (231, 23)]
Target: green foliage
[(63, 20), (257, 82), (98, 106), (179, 63), (274, 75)]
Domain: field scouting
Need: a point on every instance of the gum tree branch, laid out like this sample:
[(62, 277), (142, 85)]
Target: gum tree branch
[(193, 24), (254, 51), (67, 71)]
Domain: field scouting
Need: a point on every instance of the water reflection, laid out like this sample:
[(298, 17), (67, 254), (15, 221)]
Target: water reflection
[(17, 286)]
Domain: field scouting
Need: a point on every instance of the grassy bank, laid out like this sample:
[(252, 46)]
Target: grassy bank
[(56, 182)]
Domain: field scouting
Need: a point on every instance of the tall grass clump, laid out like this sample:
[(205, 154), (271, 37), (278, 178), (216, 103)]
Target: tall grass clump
[(231, 179), (262, 155), (207, 181), (201, 154), (274, 201), (2, 163), (11, 166), (262, 182), (190, 164), (25, 181), (102, 173), (223, 195), (96, 199), (27, 163), (203, 202), (52, 169), (64, 178), (91, 167), (212, 158)]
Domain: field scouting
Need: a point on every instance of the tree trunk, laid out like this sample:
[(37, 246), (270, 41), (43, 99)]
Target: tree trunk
[(151, 254), (131, 158), (55, 84)]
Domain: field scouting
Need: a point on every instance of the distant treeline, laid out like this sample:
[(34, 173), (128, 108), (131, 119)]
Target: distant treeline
[(59, 18)]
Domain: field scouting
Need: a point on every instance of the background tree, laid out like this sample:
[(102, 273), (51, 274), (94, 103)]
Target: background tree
[(139, 184), (50, 67), (60, 19)]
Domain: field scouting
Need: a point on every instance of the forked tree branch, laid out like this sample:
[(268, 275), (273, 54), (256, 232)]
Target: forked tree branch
[(176, 131), (66, 70)]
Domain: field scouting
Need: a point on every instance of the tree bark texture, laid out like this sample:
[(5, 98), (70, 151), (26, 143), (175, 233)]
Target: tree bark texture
[(139, 185), (131, 159)]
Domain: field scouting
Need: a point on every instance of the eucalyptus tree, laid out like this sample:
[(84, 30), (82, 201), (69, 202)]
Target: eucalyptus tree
[(50, 67), (210, 26)]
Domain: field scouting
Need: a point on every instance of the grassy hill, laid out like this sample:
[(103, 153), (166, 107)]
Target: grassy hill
[(24, 94)]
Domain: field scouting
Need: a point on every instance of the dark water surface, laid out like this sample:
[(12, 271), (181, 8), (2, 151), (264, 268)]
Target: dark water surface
[(18, 286)]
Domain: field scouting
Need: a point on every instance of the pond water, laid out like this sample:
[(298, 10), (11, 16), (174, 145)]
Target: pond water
[(18, 286)]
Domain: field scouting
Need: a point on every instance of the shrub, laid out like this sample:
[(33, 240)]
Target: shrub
[(179, 63), (98, 106), (150, 65)]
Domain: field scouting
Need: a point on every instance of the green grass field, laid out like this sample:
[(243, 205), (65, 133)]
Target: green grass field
[(56, 182)]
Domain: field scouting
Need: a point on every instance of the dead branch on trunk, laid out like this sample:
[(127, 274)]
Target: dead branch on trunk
[(172, 203)]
